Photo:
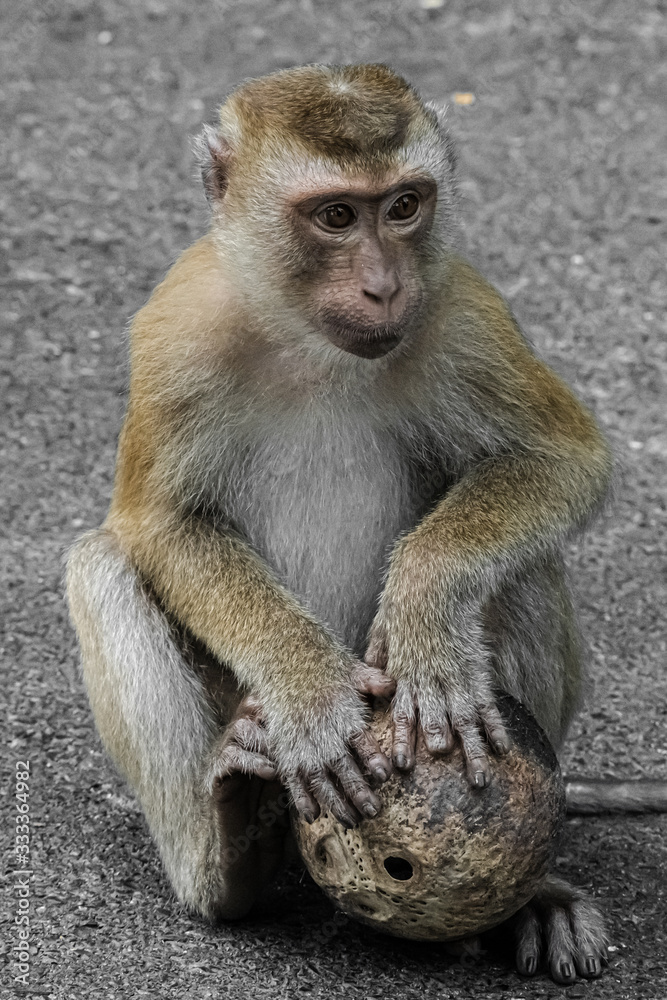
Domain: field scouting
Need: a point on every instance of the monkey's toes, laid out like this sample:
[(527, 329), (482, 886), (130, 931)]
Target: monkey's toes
[(568, 933), (243, 749), (372, 680), (234, 761)]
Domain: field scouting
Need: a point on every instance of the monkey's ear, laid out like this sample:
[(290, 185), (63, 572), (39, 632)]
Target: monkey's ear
[(214, 154), (439, 112)]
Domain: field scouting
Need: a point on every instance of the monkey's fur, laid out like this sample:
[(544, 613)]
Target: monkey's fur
[(281, 501)]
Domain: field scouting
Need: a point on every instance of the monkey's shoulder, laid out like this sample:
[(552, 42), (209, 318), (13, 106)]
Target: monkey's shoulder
[(473, 306), (488, 353), (190, 300)]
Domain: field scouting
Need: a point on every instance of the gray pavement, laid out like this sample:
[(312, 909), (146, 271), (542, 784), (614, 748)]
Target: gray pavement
[(562, 175)]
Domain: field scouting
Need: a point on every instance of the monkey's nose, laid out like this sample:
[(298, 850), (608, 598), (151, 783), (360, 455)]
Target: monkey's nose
[(381, 286), (380, 289)]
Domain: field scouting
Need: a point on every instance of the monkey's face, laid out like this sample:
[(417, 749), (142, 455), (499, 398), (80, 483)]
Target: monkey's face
[(333, 195), (359, 280)]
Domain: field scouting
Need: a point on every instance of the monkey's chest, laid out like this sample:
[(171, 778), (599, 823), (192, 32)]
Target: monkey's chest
[(325, 519)]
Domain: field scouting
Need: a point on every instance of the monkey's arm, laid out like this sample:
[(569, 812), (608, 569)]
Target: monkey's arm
[(212, 583), (547, 473)]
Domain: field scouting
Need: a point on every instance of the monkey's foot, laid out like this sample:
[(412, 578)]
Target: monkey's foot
[(562, 928), (242, 749), (252, 808)]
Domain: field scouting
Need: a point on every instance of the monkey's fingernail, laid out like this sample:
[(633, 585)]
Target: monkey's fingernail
[(592, 967), (566, 970), (308, 816), (531, 965), (381, 774), (401, 761), (502, 747), (370, 809), (480, 779)]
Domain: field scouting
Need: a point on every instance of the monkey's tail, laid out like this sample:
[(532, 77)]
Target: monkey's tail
[(591, 796)]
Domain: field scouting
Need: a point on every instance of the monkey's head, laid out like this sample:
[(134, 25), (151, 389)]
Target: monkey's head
[(332, 189)]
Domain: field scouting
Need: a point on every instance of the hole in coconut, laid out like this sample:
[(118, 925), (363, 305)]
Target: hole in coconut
[(398, 868), (366, 909), (322, 855)]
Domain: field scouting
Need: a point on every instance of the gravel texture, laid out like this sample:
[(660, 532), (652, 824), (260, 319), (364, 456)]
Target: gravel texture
[(562, 168)]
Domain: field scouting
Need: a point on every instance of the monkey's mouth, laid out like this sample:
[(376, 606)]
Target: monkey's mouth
[(365, 342)]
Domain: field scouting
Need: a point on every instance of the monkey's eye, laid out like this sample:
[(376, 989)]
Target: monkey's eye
[(404, 207), (337, 216)]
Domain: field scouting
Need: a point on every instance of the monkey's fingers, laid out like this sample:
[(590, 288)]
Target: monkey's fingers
[(496, 733), (377, 654), (371, 755), (355, 788), (437, 732), (478, 769), (404, 719), (330, 798), (304, 801), (369, 679)]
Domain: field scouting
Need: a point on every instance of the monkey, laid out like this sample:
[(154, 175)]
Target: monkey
[(343, 472)]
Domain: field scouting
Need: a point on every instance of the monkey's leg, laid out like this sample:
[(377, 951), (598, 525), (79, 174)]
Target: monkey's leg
[(536, 656), (562, 928), (531, 630), (158, 724)]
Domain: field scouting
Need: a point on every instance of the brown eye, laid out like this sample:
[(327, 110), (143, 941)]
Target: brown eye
[(337, 216), (404, 207)]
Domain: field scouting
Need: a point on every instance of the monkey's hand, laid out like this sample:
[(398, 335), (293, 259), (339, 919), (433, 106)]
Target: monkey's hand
[(325, 754), (443, 688)]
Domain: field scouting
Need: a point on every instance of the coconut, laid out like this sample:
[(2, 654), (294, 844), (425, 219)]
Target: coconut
[(443, 860)]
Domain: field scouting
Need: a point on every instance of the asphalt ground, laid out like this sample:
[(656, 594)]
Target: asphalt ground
[(562, 178)]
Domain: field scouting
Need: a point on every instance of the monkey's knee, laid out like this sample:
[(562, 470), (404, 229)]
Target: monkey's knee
[(156, 720), (97, 574), (90, 556)]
